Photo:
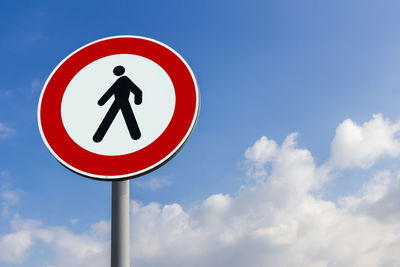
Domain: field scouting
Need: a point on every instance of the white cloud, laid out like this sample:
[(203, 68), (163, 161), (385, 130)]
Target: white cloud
[(279, 221), (275, 221), (5, 131), (89, 249), (9, 198), (263, 151), (153, 184), (74, 221), (360, 146), (15, 246), (379, 198), (101, 230), (79, 249)]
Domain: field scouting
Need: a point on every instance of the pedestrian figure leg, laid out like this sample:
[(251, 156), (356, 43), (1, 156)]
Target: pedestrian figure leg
[(130, 121), (106, 123)]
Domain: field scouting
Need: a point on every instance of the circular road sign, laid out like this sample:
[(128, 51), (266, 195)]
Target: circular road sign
[(118, 108)]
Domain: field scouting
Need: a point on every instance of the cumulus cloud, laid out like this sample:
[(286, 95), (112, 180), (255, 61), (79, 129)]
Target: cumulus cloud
[(263, 151), (378, 198), (70, 249), (14, 246), (5, 131), (361, 145), (278, 220), (73, 249)]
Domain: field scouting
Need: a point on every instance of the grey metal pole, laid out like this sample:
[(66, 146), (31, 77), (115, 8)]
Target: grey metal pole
[(120, 224)]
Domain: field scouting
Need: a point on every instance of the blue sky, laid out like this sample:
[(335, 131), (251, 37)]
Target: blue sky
[(264, 68)]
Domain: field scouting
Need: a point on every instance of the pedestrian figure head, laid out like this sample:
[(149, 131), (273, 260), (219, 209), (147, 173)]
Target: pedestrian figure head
[(119, 70)]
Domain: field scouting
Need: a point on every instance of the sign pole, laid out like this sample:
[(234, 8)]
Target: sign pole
[(120, 224)]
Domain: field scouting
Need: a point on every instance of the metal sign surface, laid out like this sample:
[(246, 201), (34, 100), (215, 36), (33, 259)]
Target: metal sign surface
[(118, 107)]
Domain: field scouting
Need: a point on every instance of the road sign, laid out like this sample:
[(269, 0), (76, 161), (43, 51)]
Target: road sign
[(118, 107)]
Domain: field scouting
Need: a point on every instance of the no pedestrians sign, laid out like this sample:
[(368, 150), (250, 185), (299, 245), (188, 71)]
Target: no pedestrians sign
[(118, 107)]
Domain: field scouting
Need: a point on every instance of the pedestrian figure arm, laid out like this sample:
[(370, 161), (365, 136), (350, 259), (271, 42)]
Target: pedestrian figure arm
[(137, 92), (106, 96)]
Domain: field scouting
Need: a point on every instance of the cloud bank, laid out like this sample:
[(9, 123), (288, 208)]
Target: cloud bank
[(279, 219)]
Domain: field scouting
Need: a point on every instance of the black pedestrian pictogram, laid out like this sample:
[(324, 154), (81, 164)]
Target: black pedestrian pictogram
[(121, 90)]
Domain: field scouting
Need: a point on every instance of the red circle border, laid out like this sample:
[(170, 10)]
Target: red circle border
[(136, 163)]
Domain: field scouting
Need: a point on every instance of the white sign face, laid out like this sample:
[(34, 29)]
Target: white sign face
[(82, 115), (118, 108)]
